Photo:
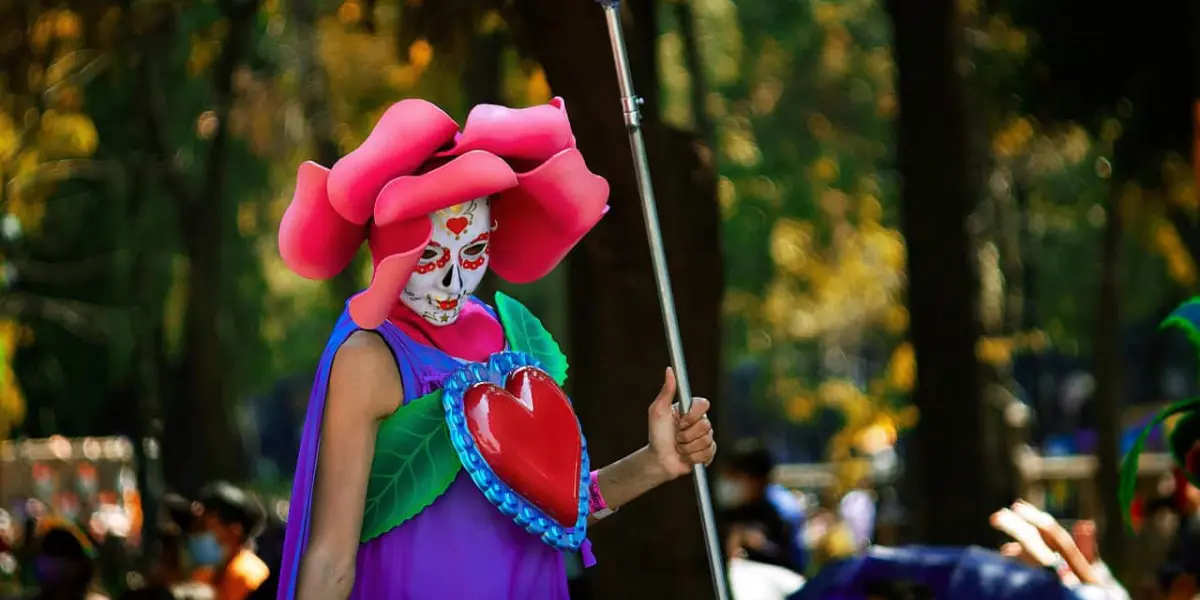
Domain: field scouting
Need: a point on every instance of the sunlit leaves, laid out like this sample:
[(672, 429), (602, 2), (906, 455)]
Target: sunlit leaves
[(1013, 138), (902, 368), (1180, 264), (12, 401), (736, 142), (802, 97), (67, 134), (537, 89), (44, 139)]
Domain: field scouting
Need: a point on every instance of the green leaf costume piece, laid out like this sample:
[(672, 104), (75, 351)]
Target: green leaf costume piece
[(1186, 432), (525, 333), (415, 462)]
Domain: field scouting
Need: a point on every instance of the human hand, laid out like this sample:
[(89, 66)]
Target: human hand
[(1028, 545), (679, 441), (1041, 541), (1059, 540), (1084, 534)]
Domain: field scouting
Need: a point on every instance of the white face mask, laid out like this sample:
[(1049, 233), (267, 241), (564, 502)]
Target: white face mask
[(730, 494), (453, 263)]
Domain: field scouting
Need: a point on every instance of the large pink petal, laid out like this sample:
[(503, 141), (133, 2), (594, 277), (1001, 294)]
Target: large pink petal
[(531, 134), (407, 135), (476, 174), (398, 248), (541, 219), (314, 240)]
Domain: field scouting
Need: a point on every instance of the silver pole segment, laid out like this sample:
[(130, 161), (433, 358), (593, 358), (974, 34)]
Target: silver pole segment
[(631, 103)]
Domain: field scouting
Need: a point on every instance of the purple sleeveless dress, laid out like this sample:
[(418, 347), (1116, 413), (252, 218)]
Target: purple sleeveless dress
[(458, 548)]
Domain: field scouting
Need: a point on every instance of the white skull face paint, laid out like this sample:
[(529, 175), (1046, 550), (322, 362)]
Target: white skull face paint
[(453, 263)]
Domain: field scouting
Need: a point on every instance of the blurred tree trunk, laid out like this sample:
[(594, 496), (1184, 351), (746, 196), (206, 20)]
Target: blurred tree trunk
[(951, 502), (314, 101), (205, 441), (148, 279), (618, 350), (1109, 386)]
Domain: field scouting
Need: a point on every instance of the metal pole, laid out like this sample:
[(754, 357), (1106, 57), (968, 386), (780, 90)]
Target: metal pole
[(631, 103)]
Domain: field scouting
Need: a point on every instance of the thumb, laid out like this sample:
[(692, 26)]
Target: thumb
[(666, 395)]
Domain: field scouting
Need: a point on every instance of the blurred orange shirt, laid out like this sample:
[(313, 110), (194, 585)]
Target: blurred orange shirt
[(243, 575)]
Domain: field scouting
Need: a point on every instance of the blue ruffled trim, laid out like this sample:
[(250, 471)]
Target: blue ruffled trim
[(507, 501)]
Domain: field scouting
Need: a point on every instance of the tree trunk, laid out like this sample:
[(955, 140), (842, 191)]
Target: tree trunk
[(951, 479), (314, 101), (1109, 386), (618, 349), (203, 426)]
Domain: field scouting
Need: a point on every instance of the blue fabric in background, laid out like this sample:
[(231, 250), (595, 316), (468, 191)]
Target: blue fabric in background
[(950, 573), (791, 511)]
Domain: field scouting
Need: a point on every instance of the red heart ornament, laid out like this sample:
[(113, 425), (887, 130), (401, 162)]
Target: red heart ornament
[(528, 434), (457, 225)]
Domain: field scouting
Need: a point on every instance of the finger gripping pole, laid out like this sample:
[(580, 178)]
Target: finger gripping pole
[(631, 107)]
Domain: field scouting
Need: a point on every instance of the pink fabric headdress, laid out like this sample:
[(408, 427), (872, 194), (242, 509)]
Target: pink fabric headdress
[(415, 162)]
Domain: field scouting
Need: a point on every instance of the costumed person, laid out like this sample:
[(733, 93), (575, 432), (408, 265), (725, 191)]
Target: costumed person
[(1183, 442), (440, 458)]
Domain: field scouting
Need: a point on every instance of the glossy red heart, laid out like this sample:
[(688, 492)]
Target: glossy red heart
[(528, 434), (457, 225)]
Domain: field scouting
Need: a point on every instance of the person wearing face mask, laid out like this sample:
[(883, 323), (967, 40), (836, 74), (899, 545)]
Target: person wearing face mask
[(64, 565), (373, 513), (765, 520), (218, 549)]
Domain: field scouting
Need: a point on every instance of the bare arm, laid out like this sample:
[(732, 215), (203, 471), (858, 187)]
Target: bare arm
[(630, 477), (676, 444), (364, 387)]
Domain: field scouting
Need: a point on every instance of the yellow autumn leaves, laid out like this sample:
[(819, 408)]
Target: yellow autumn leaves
[(42, 134), (851, 282), (12, 402)]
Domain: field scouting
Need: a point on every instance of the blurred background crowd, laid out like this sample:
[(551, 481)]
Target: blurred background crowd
[(921, 251)]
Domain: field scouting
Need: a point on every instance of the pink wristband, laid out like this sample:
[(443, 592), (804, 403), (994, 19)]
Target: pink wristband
[(596, 503)]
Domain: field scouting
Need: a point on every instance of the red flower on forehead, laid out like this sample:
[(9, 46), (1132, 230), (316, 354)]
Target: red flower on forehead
[(415, 162)]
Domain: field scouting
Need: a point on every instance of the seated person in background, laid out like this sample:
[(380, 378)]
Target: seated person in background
[(765, 519), (230, 519)]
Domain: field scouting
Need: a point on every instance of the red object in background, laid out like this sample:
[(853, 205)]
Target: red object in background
[(1196, 142), (529, 435), (1179, 499), (1137, 512)]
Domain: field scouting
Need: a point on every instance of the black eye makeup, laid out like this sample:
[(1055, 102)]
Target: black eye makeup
[(474, 249)]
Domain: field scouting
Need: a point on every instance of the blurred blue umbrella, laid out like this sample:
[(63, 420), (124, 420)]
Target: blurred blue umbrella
[(949, 573)]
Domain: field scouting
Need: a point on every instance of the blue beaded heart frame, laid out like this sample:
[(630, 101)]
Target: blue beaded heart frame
[(503, 497)]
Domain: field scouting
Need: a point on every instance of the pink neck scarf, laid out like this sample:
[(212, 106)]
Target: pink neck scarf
[(474, 337)]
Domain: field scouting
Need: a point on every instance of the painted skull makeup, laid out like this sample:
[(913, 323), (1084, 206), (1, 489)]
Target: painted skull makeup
[(453, 263)]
